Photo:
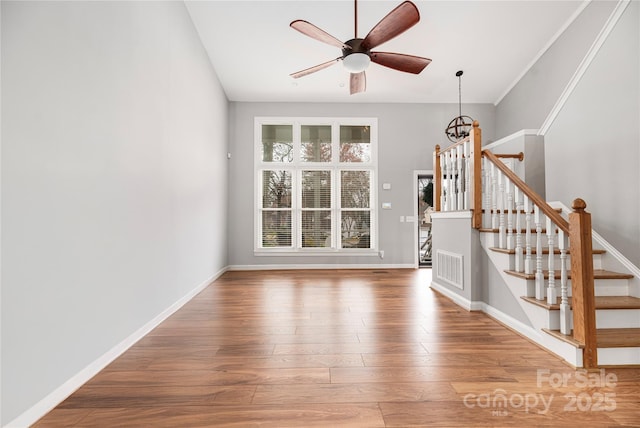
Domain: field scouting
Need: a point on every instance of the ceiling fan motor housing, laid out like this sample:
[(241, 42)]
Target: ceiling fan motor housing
[(356, 47), (356, 59)]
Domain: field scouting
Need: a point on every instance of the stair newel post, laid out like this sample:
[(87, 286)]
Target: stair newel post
[(437, 183), (475, 143), (539, 273), (552, 293), (519, 265), (582, 287), (510, 240), (502, 237), (565, 309), (528, 263)]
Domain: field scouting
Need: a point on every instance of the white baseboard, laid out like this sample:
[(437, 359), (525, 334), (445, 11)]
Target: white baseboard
[(457, 299), (49, 402), (298, 266), (567, 352)]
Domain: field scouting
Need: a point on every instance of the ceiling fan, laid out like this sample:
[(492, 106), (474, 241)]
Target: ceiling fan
[(357, 54)]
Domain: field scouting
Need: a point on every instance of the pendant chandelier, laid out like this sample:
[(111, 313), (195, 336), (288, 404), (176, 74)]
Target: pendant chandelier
[(459, 127)]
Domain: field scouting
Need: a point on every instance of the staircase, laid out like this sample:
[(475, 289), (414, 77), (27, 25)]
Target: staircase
[(617, 313), (581, 298)]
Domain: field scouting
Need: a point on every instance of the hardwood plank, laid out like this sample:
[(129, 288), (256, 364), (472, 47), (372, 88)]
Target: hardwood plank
[(359, 348), (356, 415), (60, 417), (417, 374), (238, 362), (354, 393), (246, 376), (158, 396)]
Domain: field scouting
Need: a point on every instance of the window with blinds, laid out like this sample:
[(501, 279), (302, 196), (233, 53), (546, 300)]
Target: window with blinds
[(316, 185)]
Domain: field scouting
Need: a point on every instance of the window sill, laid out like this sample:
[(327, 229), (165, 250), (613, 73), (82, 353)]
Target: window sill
[(316, 253)]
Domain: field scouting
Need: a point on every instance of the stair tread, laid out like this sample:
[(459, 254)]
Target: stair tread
[(601, 302), (618, 337), (597, 274), (606, 337), (544, 251)]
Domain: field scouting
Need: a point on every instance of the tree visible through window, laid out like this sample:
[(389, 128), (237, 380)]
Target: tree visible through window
[(316, 185)]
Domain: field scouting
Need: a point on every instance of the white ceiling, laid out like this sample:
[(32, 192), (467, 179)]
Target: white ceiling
[(254, 50)]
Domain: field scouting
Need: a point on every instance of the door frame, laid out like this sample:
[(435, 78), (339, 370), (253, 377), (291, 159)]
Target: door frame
[(416, 224)]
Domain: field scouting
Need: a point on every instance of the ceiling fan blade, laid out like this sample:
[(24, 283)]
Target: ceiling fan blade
[(314, 32), (401, 62), (396, 22), (315, 68), (357, 83)]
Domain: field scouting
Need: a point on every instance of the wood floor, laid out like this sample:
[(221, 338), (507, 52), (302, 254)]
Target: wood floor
[(341, 348)]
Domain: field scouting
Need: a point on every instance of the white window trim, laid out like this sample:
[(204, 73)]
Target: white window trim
[(296, 167)]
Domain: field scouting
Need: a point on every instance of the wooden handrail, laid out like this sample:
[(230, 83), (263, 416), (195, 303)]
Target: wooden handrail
[(552, 214), (519, 156), (456, 144)]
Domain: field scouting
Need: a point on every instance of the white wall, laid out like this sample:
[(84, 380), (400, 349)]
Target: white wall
[(114, 179), (407, 135)]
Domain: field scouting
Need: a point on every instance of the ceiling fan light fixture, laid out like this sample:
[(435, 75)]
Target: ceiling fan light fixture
[(356, 62)]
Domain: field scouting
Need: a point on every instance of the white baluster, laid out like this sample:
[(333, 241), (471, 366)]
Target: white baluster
[(494, 197), (510, 238), (539, 273), (487, 192), (467, 173), (528, 263), (552, 293), (519, 262), (460, 177), (451, 188), (501, 226), (443, 181), (565, 309)]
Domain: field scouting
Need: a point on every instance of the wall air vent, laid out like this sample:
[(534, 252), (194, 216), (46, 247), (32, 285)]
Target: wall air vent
[(448, 268)]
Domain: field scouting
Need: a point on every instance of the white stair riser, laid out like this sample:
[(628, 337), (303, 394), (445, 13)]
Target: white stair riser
[(603, 287), (618, 318), (597, 261), (541, 317), (618, 356)]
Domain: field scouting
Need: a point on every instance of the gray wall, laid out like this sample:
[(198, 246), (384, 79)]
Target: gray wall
[(454, 235), (527, 105), (114, 173), (592, 148), (407, 136)]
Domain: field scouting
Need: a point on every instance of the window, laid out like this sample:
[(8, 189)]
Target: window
[(316, 185)]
